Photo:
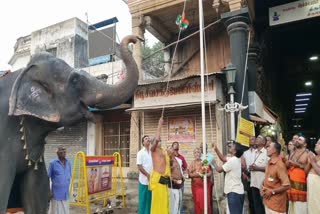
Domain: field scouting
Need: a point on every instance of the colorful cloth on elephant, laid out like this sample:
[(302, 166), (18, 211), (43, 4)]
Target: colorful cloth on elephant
[(144, 199), (60, 176), (313, 193), (160, 193), (298, 184)]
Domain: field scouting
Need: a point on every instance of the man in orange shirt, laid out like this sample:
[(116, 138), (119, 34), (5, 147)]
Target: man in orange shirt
[(276, 182)]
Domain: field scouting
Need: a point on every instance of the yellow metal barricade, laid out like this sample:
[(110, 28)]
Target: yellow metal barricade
[(79, 190)]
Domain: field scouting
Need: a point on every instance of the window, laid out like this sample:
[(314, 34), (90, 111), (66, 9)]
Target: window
[(53, 51), (117, 139)]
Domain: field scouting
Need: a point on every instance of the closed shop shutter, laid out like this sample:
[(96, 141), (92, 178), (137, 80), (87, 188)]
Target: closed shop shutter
[(74, 138)]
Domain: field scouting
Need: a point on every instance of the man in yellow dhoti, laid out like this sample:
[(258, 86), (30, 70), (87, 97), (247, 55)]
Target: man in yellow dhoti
[(313, 180), (160, 176)]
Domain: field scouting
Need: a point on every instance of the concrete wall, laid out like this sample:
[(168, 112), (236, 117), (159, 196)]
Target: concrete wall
[(68, 37), (112, 69), (21, 61)]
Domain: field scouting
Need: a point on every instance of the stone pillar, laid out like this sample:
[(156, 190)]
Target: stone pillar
[(238, 28), (91, 141), (253, 56), (138, 30), (99, 138), (167, 64)]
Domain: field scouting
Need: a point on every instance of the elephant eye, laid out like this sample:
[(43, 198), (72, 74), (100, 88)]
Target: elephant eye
[(74, 79), (44, 86)]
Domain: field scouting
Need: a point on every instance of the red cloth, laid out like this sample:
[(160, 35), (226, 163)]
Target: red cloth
[(198, 195)]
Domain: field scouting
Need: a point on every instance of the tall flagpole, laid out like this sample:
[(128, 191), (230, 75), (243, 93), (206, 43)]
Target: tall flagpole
[(203, 110)]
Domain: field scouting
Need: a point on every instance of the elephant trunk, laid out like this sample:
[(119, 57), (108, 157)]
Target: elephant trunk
[(100, 95)]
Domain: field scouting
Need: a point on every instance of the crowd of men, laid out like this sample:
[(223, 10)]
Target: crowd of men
[(276, 180), (287, 181)]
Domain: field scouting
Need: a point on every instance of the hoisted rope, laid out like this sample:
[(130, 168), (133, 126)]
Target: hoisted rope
[(180, 40), (161, 49), (172, 58), (245, 67), (244, 81)]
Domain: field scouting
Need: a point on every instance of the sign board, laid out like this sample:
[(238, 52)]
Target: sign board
[(245, 131), (294, 11), (99, 172), (179, 92), (181, 129)]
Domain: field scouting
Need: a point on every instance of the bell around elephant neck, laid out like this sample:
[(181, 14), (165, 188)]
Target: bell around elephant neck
[(33, 151)]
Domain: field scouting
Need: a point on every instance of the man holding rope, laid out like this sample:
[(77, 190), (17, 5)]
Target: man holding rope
[(160, 175)]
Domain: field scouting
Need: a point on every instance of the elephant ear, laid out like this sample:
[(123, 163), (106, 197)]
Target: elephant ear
[(30, 97)]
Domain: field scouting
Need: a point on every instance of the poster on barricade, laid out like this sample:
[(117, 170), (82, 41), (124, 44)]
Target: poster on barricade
[(99, 173)]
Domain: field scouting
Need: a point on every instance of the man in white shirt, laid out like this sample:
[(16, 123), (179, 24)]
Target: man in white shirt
[(257, 169), (233, 186), (144, 163), (248, 158)]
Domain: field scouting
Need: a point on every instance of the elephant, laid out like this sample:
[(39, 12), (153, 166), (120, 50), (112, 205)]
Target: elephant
[(46, 95)]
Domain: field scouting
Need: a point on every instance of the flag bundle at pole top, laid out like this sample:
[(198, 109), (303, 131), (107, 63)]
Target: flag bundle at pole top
[(182, 22)]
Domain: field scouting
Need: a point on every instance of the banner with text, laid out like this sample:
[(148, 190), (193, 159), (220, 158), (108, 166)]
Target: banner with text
[(179, 92), (294, 11), (245, 131)]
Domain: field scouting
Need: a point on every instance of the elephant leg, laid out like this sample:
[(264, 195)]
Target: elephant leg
[(6, 180), (35, 190)]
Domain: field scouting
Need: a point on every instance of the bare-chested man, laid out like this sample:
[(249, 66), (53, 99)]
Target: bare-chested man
[(160, 175), (176, 183), (297, 194)]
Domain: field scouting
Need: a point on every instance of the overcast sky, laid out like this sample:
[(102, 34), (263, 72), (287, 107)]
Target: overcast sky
[(21, 17)]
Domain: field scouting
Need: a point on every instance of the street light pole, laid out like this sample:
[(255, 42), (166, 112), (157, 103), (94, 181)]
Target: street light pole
[(232, 118), (232, 106)]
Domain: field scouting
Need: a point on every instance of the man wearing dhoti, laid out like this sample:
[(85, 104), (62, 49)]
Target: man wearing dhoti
[(160, 176), (297, 194), (313, 180)]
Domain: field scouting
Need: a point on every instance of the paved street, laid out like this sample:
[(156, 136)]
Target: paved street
[(80, 210)]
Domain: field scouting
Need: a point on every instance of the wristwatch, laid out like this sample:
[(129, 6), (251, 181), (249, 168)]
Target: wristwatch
[(273, 192)]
